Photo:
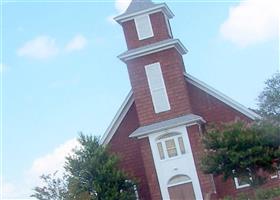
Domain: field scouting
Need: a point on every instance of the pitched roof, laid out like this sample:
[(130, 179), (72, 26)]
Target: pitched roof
[(192, 80), (138, 5)]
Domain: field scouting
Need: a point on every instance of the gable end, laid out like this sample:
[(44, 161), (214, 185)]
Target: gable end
[(115, 123), (220, 96)]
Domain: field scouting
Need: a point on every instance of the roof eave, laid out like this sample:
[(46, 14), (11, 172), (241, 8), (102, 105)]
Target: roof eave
[(222, 97), (172, 43), (105, 139), (196, 120)]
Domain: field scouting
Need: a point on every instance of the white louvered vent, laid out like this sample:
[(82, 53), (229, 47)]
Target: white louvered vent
[(157, 87), (143, 27)]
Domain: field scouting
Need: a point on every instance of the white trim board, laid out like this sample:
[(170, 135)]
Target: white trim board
[(220, 96), (186, 120), (170, 167), (153, 48), (115, 123)]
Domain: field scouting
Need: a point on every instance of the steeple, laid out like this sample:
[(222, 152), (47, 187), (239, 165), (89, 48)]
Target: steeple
[(138, 5), (154, 62)]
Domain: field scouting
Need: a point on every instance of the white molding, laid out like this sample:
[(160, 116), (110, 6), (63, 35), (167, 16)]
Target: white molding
[(220, 96), (240, 186), (145, 131), (168, 26), (153, 48), (168, 168), (157, 8), (183, 182), (110, 131)]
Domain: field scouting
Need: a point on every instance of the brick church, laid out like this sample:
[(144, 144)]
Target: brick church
[(157, 131)]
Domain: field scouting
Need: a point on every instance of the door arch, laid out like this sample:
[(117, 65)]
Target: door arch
[(180, 188)]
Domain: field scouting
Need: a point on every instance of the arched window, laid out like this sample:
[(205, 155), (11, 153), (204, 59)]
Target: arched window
[(170, 145), (179, 179)]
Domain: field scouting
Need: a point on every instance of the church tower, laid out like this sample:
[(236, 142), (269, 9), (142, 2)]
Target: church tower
[(167, 128), (154, 62)]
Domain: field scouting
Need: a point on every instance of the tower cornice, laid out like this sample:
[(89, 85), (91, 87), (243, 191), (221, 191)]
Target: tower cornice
[(153, 48), (156, 8)]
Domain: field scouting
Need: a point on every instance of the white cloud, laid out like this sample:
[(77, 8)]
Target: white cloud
[(41, 47), (8, 189), (121, 5), (15, 191), (111, 20), (252, 21), (77, 43), (53, 161), (47, 164)]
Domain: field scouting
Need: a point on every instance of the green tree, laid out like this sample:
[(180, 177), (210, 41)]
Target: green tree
[(54, 188), (92, 173), (269, 99), (243, 151), (93, 170)]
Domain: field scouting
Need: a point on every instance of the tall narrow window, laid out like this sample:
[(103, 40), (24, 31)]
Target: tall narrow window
[(157, 87), (181, 145), (160, 150), (143, 27)]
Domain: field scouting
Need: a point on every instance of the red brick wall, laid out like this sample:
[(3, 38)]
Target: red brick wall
[(213, 110), (129, 151), (150, 169), (172, 67), (227, 188), (205, 180), (159, 28)]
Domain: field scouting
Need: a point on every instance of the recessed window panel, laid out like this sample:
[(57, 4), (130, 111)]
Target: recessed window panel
[(157, 88), (160, 150), (181, 145), (143, 27), (171, 148)]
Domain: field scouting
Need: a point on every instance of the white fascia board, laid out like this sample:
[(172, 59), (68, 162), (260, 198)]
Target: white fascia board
[(220, 96), (160, 7), (186, 120), (112, 128), (153, 48)]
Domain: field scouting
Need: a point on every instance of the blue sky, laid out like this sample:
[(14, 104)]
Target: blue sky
[(61, 74)]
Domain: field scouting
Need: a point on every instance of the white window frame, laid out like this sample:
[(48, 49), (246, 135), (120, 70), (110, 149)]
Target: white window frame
[(153, 89), (277, 175), (144, 35), (237, 185), (236, 181), (176, 141)]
